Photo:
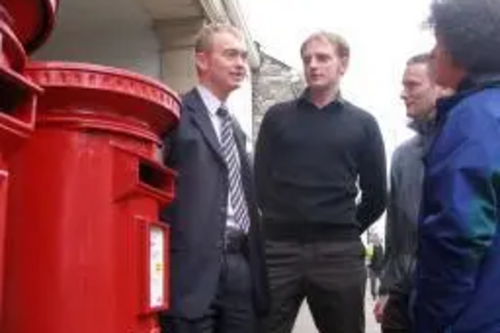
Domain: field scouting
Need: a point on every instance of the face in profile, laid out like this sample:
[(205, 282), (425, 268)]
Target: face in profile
[(323, 66), (419, 90), (447, 73), (224, 65)]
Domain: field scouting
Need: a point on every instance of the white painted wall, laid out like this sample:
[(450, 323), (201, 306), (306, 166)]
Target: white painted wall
[(112, 32), (133, 50), (240, 104)]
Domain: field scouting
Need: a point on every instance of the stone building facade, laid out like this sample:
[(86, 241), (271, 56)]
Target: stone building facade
[(273, 82)]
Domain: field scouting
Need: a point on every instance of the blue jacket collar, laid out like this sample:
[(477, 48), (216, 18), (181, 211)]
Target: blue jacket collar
[(467, 87)]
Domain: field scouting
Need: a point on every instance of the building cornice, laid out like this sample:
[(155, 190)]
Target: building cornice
[(214, 10)]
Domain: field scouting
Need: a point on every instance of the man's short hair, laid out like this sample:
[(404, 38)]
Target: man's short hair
[(204, 38), (422, 58), (336, 40), (469, 31)]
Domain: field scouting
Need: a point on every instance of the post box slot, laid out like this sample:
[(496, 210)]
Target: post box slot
[(136, 173), (155, 176), (152, 176)]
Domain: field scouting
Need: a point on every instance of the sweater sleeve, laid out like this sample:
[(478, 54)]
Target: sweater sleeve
[(372, 176), (263, 160)]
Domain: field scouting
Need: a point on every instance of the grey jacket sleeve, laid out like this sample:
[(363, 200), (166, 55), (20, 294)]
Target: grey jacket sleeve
[(402, 219), (390, 233)]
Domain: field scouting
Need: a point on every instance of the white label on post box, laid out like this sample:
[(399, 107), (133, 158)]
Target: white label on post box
[(156, 267)]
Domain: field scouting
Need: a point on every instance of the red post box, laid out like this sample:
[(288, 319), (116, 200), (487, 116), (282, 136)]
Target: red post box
[(32, 20), (17, 117), (85, 250)]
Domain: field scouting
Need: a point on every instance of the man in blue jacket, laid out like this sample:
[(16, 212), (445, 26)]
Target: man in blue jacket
[(458, 269)]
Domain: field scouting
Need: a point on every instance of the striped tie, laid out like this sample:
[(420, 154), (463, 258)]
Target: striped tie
[(229, 151)]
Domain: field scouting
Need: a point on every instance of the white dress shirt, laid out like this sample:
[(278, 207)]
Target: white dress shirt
[(212, 103)]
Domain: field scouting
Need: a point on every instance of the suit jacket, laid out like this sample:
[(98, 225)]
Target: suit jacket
[(198, 215)]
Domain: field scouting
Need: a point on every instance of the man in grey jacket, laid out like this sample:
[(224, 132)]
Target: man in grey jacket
[(419, 95)]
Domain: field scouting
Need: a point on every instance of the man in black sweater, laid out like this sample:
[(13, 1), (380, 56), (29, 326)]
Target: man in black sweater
[(313, 154)]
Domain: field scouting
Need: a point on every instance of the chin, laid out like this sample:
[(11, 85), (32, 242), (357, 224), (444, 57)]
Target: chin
[(231, 85), (235, 86), (318, 85), (414, 116)]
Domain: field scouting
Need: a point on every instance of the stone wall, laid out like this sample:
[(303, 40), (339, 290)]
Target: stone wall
[(272, 83)]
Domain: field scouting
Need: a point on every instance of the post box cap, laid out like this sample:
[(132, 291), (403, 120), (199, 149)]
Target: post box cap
[(116, 90)]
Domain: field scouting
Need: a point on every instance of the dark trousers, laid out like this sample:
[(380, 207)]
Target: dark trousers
[(396, 318), (330, 275), (232, 309)]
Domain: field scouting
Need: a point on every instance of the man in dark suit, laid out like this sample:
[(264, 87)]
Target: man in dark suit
[(218, 276)]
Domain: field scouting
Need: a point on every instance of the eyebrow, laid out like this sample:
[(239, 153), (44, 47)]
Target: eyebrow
[(235, 50)]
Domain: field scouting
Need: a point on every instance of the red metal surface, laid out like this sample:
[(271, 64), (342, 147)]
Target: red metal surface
[(12, 55), (32, 20), (17, 117), (84, 199)]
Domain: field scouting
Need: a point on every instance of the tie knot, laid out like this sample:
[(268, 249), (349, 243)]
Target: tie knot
[(223, 112)]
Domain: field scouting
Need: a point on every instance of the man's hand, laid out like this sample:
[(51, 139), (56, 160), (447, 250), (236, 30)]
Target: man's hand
[(378, 309)]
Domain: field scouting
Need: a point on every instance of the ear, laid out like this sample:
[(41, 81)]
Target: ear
[(344, 64), (201, 60)]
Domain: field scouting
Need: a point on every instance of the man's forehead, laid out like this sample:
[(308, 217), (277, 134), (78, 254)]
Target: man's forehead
[(417, 70), (416, 79), (418, 67), (412, 77), (228, 41), (319, 45), (227, 36)]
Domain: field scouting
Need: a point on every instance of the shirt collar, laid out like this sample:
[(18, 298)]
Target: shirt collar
[(209, 99), (423, 126), (305, 98)]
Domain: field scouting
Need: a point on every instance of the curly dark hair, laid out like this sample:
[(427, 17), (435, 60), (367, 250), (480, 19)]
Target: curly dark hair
[(470, 32)]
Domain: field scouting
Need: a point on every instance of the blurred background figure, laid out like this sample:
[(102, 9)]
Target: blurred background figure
[(375, 265)]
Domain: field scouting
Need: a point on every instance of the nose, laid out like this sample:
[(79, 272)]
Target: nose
[(313, 62), (404, 95), (242, 57), (241, 63)]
